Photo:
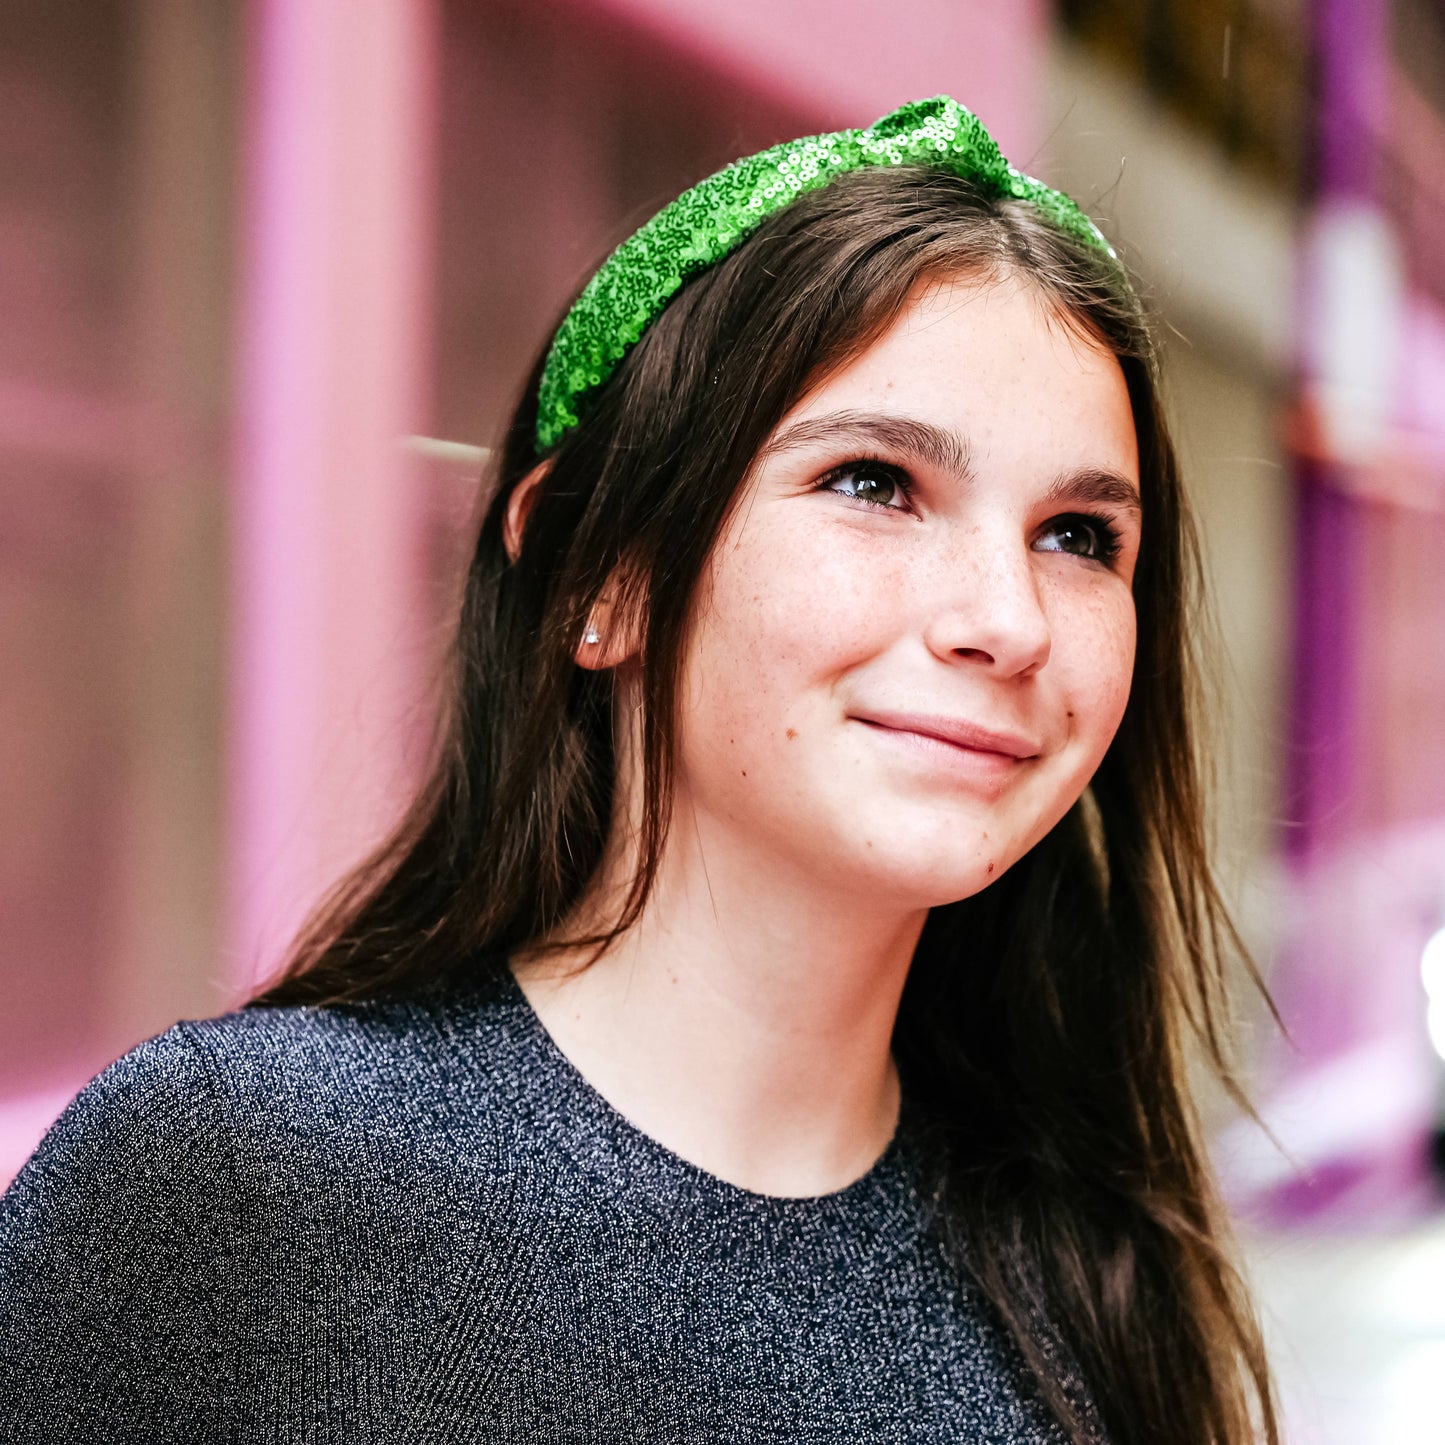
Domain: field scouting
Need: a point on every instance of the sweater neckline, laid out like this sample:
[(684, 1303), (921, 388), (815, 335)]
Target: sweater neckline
[(619, 1155)]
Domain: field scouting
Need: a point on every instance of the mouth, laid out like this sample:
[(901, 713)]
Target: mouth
[(956, 733)]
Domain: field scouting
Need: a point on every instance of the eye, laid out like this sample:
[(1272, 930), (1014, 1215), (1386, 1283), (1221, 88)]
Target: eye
[(1095, 538), (873, 483)]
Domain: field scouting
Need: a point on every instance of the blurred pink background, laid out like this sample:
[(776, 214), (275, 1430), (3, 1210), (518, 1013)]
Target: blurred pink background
[(270, 271)]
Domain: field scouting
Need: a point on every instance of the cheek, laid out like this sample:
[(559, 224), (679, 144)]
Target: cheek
[(790, 609), (793, 601), (1094, 642)]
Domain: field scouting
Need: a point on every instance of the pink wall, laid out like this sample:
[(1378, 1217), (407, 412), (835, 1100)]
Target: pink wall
[(849, 63), (326, 683)]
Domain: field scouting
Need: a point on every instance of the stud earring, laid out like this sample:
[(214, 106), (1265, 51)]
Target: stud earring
[(591, 635)]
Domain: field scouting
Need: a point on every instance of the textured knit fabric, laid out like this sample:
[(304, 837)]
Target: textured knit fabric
[(417, 1222)]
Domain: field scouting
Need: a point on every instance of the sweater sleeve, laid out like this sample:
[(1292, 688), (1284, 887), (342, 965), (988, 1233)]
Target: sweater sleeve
[(114, 1269)]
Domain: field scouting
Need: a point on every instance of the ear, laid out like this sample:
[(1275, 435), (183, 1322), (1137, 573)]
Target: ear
[(618, 637), (519, 504), (617, 641)]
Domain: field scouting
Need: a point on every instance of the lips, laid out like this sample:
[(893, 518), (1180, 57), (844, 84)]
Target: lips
[(958, 731)]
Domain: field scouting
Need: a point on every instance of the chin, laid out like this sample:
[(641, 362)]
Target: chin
[(977, 881), (918, 878)]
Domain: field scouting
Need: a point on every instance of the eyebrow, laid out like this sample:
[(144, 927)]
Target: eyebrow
[(948, 451), (939, 447), (1095, 487)]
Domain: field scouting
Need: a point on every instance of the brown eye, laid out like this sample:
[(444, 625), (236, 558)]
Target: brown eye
[(872, 482), (1090, 537)]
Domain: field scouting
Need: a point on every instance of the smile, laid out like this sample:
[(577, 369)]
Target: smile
[(969, 762), (958, 731)]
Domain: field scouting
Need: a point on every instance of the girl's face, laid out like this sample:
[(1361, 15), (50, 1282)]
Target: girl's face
[(941, 536)]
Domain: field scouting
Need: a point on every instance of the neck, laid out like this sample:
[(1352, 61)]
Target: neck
[(744, 1022)]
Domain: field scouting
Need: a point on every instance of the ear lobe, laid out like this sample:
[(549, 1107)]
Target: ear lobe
[(519, 506), (619, 627), (618, 638)]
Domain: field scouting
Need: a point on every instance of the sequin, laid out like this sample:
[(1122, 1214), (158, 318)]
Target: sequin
[(699, 228)]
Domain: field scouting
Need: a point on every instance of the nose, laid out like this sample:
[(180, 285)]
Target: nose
[(993, 613)]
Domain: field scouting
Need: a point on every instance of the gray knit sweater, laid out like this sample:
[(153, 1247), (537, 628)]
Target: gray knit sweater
[(417, 1222)]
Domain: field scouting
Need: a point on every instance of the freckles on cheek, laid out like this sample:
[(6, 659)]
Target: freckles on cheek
[(1116, 670), (1099, 659), (797, 591)]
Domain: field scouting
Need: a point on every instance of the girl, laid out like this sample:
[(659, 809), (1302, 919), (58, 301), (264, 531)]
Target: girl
[(771, 1021)]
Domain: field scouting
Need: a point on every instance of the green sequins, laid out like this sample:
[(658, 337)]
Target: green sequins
[(703, 224)]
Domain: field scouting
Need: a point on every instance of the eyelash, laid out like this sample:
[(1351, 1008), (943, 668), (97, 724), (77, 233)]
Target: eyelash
[(1106, 533)]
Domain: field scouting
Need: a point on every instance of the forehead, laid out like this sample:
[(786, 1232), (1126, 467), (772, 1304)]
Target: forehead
[(992, 360)]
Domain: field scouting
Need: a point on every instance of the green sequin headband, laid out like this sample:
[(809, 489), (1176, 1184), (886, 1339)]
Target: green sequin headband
[(704, 224)]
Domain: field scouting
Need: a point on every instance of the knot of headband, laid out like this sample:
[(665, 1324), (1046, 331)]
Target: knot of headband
[(704, 224)]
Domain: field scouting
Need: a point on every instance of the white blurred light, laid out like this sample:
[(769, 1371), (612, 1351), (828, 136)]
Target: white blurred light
[(1403, 1290), (1435, 1022), (1411, 1391), (1432, 965), (1357, 311)]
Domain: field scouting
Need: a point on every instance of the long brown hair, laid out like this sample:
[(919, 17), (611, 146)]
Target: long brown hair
[(1047, 1021)]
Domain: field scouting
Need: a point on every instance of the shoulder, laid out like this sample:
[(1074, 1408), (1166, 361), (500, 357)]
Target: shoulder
[(150, 1113), (247, 1090), (421, 1055), (113, 1238), (232, 1178)]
